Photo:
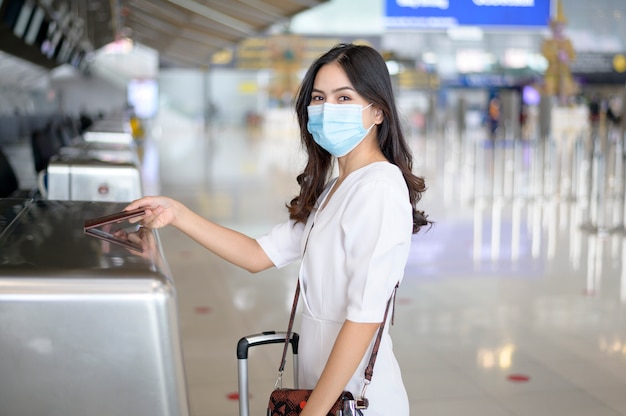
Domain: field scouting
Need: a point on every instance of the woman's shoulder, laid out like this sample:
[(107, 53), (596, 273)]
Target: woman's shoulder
[(379, 178), (384, 172)]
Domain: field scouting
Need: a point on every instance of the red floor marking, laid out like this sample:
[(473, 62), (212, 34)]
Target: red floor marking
[(589, 292), (518, 378), (235, 396), (202, 310)]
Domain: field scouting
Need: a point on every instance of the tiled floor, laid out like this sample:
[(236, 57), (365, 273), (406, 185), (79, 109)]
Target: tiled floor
[(509, 307)]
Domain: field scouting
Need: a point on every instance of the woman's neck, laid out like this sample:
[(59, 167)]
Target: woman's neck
[(357, 159)]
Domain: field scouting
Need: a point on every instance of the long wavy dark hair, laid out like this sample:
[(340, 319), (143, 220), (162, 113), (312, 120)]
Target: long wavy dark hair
[(367, 71)]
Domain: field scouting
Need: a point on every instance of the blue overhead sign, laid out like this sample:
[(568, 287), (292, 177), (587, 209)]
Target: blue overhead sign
[(441, 14)]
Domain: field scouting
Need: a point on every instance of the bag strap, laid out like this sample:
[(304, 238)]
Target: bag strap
[(369, 371), (289, 329)]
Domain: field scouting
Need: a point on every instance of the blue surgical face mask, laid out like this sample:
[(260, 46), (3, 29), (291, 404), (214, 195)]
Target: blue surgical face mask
[(337, 128)]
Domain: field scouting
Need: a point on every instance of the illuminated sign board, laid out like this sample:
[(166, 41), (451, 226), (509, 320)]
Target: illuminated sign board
[(443, 14)]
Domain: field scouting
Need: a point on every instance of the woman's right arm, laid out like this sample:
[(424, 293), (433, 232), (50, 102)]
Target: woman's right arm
[(232, 246)]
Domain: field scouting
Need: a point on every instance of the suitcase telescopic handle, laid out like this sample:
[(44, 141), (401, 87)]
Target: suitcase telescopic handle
[(244, 344), (267, 337)]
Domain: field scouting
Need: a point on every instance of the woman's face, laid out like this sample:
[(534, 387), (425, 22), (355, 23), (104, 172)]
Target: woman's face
[(332, 86)]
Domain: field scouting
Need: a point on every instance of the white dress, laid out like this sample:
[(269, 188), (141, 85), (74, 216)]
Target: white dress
[(357, 249)]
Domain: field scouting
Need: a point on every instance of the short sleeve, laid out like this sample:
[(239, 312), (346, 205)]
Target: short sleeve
[(377, 228), (283, 243)]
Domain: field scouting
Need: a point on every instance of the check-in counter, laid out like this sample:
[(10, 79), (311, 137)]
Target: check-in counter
[(117, 122), (106, 152), (108, 137), (78, 177), (87, 326), (103, 166), (109, 131)]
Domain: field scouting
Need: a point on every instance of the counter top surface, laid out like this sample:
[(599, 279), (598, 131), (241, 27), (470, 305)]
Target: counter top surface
[(46, 238)]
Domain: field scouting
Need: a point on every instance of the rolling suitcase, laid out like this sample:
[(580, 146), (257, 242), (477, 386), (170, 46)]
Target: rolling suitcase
[(265, 338)]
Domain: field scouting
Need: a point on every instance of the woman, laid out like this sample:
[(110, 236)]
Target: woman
[(352, 233)]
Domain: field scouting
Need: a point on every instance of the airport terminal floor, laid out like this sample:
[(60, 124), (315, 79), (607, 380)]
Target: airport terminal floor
[(513, 303)]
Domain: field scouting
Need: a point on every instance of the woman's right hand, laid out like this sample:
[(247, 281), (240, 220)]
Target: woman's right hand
[(160, 211), (231, 245)]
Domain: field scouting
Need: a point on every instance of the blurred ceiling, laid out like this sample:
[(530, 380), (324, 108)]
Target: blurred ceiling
[(184, 32), (188, 32)]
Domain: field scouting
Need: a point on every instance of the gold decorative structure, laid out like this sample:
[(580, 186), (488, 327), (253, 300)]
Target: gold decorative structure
[(559, 52)]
